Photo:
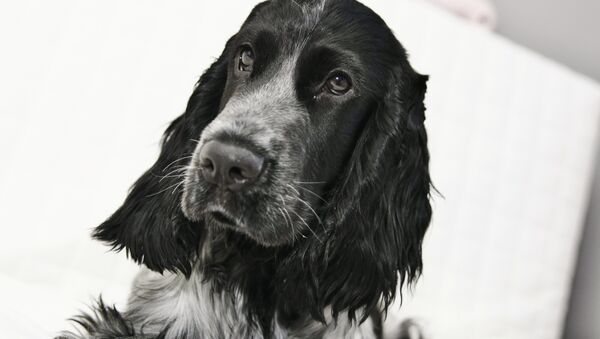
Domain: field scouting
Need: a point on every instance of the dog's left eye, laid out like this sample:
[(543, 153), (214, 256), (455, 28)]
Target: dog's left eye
[(246, 59), (338, 84)]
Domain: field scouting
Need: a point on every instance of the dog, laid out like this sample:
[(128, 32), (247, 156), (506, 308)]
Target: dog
[(291, 198)]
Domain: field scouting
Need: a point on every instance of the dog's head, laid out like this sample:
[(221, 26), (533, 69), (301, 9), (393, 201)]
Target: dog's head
[(306, 133)]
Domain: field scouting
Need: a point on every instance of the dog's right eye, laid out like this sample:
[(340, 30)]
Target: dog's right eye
[(246, 59)]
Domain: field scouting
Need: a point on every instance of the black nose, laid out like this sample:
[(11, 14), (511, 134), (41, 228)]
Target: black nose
[(229, 166)]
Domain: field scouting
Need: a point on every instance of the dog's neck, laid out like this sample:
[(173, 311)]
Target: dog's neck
[(231, 293), (233, 264), (228, 258), (195, 307)]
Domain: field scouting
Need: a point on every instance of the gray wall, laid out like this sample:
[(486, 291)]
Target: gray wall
[(582, 321), (565, 30), (569, 32)]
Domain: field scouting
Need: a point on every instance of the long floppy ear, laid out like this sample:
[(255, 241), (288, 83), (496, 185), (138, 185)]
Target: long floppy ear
[(150, 225), (380, 210)]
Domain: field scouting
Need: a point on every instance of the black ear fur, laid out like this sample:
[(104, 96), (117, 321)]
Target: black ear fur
[(150, 225), (379, 213), (379, 226)]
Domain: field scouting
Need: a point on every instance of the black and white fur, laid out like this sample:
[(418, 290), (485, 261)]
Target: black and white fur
[(319, 245)]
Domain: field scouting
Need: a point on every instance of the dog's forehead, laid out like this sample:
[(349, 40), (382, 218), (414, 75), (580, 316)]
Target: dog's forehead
[(303, 20), (287, 16), (307, 5)]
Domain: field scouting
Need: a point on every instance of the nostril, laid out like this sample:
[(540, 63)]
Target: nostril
[(237, 174), (207, 164), (207, 169)]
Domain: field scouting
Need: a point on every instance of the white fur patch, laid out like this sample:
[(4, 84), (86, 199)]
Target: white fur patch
[(191, 308)]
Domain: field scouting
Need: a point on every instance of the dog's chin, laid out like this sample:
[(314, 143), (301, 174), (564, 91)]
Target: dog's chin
[(266, 233), (219, 219)]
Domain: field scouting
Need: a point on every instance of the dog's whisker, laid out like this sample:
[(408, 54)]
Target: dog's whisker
[(181, 168), (283, 215), (173, 173), (290, 217), (161, 177), (176, 161), (312, 210), (298, 197), (295, 190), (292, 225), (310, 182), (286, 222), (313, 193), (177, 187), (171, 176), (285, 207), (305, 223), (302, 219), (166, 189), (178, 169)]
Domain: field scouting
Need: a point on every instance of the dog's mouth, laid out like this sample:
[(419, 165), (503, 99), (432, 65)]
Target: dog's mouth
[(222, 218), (218, 216)]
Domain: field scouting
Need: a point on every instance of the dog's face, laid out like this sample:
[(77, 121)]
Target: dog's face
[(305, 138), (298, 92)]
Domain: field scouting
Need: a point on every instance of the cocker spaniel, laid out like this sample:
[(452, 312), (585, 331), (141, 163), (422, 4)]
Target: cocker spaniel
[(291, 198)]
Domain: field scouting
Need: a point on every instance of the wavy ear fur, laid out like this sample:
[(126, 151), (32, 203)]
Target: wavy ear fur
[(379, 213), (150, 225), (384, 210)]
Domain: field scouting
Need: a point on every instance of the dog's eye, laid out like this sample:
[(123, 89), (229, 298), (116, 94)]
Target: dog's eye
[(338, 84), (246, 60)]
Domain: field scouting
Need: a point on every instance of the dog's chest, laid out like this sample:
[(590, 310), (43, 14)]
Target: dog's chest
[(190, 308), (187, 307)]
